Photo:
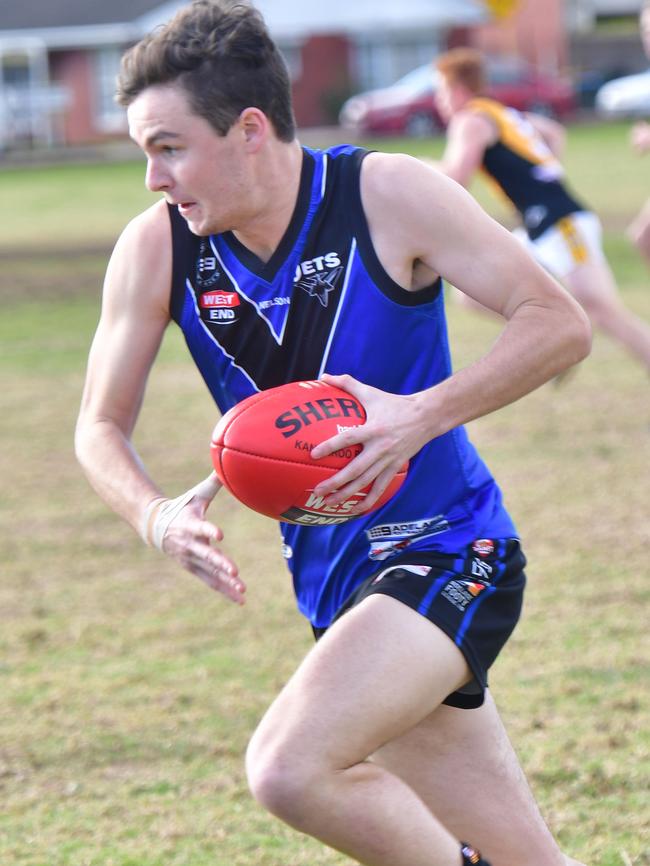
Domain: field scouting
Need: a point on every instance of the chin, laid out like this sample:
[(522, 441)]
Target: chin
[(199, 227)]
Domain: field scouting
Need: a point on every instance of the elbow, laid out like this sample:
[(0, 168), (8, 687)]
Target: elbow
[(579, 335), (85, 439), (80, 440)]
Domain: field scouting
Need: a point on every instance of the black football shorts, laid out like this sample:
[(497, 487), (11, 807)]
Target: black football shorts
[(474, 596)]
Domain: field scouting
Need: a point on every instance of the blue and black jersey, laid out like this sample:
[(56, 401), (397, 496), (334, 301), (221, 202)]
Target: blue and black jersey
[(324, 304)]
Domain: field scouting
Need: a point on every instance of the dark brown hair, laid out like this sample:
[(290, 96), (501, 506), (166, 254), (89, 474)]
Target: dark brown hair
[(463, 66), (221, 53)]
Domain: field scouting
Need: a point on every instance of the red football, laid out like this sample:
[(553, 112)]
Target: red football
[(261, 451)]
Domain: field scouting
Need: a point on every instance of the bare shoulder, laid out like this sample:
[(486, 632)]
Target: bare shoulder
[(406, 202), (141, 264), (150, 231), (398, 189), (473, 125), (392, 176)]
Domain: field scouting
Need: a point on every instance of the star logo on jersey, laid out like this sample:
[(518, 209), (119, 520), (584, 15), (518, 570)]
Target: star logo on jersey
[(319, 285)]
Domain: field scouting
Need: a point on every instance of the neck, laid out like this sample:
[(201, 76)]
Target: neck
[(274, 200)]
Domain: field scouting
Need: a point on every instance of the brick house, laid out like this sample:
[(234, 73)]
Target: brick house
[(58, 60)]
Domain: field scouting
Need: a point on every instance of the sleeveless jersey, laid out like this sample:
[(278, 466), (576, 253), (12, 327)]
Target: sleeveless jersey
[(524, 169), (324, 304)]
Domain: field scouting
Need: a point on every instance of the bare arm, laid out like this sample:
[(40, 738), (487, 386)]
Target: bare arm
[(418, 216), (135, 314), (468, 136), (640, 136), (131, 326)]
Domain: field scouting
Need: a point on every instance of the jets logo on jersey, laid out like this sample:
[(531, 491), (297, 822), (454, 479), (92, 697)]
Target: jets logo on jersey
[(320, 285), (319, 276)]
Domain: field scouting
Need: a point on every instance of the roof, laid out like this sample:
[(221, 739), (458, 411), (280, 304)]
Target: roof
[(296, 18), (35, 14), (84, 22)]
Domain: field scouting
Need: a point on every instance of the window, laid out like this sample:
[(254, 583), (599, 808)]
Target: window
[(109, 116)]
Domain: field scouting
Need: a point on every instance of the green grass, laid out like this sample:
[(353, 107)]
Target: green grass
[(129, 691), (66, 206)]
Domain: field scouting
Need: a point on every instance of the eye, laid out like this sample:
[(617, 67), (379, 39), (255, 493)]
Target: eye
[(169, 149)]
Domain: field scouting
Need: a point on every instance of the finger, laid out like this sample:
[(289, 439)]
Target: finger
[(215, 570), (381, 483), (346, 383), (200, 553), (232, 588), (205, 529), (208, 488), (346, 441), (348, 479), (359, 483)]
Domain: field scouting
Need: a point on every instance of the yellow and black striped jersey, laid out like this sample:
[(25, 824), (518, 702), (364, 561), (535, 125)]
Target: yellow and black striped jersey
[(524, 168)]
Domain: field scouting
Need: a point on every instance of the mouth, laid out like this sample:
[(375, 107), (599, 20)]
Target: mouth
[(184, 207)]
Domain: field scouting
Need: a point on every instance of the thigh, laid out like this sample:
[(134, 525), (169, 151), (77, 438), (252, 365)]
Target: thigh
[(572, 245), (375, 674), (462, 764), (639, 229)]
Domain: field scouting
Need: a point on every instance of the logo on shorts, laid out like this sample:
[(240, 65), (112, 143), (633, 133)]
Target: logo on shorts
[(482, 570), (483, 546), (461, 591)]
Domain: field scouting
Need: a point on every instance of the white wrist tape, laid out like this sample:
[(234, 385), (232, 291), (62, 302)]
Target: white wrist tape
[(160, 512)]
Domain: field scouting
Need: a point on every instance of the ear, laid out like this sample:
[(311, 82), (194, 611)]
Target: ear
[(256, 128)]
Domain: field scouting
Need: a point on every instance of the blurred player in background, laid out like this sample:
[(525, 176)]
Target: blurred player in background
[(520, 152), (639, 229), (283, 263)]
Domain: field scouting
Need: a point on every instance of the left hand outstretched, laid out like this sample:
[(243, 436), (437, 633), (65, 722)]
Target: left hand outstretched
[(393, 432)]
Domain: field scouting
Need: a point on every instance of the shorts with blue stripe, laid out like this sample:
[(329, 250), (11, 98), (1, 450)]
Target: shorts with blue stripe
[(475, 596)]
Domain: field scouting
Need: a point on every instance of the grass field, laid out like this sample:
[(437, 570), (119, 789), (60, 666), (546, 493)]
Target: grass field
[(129, 690)]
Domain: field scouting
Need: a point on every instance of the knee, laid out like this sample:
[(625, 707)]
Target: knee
[(642, 241), (280, 779)]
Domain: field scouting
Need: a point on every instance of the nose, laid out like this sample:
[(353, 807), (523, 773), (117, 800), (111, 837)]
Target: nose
[(156, 179)]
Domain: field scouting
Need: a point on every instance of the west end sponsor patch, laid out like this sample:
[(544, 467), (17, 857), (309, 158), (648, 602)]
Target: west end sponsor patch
[(219, 307), (209, 300)]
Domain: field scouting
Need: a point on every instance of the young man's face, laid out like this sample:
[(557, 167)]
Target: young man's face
[(449, 97), (187, 160)]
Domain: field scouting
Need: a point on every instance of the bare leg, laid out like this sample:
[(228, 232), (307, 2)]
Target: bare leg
[(463, 766), (639, 231), (594, 287), (378, 672), (373, 687)]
